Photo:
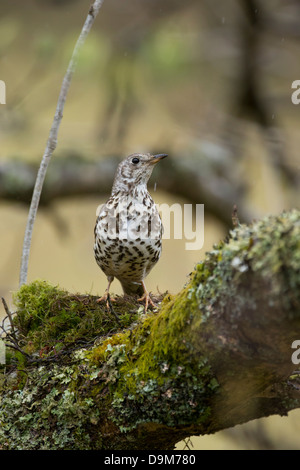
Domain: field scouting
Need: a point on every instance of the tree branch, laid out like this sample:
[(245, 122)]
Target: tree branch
[(215, 355), (52, 139), (196, 178)]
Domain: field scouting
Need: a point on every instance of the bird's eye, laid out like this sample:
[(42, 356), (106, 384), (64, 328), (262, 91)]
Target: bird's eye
[(135, 160)]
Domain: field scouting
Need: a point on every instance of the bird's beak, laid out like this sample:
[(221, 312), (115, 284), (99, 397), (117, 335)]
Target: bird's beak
[(158, 157)]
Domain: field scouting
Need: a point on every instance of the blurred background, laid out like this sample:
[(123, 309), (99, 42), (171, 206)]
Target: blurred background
[(205, 81)]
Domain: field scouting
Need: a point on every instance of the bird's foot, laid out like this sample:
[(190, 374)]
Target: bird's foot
[(146, 297), (106, 298)]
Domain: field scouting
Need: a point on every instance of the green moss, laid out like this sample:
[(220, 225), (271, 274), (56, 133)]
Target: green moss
[(263, 248), (143, 368), (50, 319), (56, 406), (159, 379), (153, 370)]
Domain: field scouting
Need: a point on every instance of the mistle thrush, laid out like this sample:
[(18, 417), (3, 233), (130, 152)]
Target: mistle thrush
[(128, 228)]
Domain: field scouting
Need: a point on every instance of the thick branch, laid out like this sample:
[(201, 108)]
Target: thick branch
[(215, 355)]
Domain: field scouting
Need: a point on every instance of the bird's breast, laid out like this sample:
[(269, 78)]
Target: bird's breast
[(129, 218), (128, 236)]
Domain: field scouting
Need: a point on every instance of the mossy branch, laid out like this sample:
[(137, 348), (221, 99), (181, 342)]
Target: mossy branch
[(215, 355)]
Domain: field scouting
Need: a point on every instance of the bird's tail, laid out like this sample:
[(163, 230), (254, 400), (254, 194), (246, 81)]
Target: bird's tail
[(132, 288)]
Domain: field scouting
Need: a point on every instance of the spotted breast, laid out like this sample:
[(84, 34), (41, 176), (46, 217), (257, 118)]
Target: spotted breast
[(128, 229)]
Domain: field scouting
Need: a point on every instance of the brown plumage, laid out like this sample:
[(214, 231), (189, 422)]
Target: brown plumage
[(128, 228)]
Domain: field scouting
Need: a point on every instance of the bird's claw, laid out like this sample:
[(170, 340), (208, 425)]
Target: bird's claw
[(146, 297), (106, 298)]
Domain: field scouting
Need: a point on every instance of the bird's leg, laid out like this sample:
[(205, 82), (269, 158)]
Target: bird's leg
[(146, 297), (106, 296)]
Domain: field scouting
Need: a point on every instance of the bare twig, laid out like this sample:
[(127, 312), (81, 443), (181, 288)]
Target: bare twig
[(52, 139), (234, 217), (112, 310), (8, 313)]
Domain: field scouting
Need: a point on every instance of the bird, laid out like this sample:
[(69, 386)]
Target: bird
[(128, 230)]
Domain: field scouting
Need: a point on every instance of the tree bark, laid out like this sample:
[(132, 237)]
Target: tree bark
[(215, 355)]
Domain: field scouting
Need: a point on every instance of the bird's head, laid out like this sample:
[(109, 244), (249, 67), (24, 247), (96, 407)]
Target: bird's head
[(135, 171)]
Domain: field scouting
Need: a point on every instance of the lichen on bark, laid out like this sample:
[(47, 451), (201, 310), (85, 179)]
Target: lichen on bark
[(214, 355)]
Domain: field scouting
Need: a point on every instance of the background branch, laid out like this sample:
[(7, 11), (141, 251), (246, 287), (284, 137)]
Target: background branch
[(194, 178)]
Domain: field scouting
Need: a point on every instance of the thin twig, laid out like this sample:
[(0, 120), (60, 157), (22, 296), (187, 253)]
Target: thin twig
[(13, 333), (112, 310), (16, 347), (52, 139), (234, 217), (187, 443)]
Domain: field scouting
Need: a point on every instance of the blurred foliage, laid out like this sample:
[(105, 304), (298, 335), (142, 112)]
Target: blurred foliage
[(166, 54), (9, 30)]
